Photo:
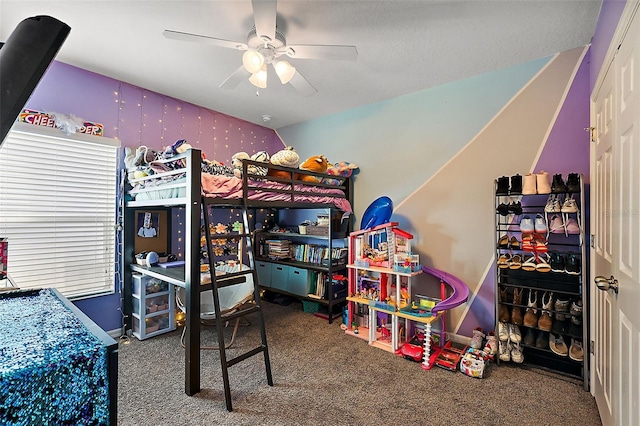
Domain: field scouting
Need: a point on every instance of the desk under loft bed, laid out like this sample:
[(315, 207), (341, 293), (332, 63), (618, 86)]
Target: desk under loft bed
[(185, 186)]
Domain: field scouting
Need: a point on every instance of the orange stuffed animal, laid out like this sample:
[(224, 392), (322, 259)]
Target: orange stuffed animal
[(316, 163)]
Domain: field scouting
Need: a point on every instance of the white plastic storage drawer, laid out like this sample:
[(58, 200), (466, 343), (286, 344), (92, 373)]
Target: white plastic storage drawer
[(298, 281), (264, 273), (279, 277)]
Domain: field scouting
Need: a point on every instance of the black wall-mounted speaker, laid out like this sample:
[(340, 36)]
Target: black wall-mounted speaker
[(24, 58)]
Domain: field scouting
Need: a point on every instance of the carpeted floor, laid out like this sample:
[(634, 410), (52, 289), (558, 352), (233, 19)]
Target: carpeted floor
[(323, 376)]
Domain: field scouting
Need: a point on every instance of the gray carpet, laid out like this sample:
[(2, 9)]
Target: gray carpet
[(323, 376)]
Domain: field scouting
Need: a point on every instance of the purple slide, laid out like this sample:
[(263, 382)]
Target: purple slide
[(460, 290)]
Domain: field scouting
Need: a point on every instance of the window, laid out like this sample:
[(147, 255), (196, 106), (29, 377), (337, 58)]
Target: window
[(58, 210)]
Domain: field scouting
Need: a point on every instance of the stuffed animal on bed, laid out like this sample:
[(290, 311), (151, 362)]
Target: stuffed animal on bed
[(286, 157), (236, 163), (343, 169), (316, 163)]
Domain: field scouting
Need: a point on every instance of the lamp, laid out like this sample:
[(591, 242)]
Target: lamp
[(252, 61), (259, 79), (284, 70)]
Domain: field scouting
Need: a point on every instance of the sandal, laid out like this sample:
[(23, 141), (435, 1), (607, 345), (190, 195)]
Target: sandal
[(543, 265), (503, 242), (540, 243), (529, 264), (503, 261), (514, 244), (516, 262)]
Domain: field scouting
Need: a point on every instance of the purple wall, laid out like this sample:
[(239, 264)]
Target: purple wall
[(137, 117), (610, 13)]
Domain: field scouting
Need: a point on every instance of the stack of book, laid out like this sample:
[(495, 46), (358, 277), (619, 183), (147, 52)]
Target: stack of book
[(278, 249)]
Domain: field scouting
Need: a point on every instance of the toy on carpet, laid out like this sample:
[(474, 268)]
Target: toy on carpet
[(342, 169), (316, 163), (286, 157)]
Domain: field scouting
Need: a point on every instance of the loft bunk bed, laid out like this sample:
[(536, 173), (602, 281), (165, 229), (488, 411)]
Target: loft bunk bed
[(183, 184)]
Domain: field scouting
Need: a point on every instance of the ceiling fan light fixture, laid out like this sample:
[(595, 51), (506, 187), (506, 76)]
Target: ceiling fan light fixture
[(252, 61), (259, 79), (285, 71)]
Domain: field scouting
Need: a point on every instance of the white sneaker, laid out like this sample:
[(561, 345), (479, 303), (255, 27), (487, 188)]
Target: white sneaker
[(505, 351), (516, 353), (503, 331), (514, 333), (569, 206)]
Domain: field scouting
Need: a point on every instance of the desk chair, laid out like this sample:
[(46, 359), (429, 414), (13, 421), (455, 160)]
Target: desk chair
[(232, 299)]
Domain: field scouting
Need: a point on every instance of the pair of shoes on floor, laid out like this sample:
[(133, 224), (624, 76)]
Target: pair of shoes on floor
[(511, 352)]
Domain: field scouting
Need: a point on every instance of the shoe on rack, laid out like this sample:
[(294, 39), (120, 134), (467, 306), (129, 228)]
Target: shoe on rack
[(569, 206), (491, 346), (562, 309), (529, 184), (516, 312), (556, 261), (542, 341), (503, 242), (478, 338), (503, 331), (558, 186), (556, 225), (516, 353), (540, 224), (503, 209), (557, 345), (516, 185), (560, 327), (576, 352), (530, 316), (575, 330), (503, 261), (543, 264), (544, 322), (529, 264), (529, 338), (573, 182), (514, 244), (515, 335), (505, 350), (502, 187), (572, 265), (515, 207), (526, 225), (516, 262), (572, 227), (576, 308), (542, 183), (553, 204)]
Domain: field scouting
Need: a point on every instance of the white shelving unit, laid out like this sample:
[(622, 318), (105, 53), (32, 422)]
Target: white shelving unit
[(153, 306)]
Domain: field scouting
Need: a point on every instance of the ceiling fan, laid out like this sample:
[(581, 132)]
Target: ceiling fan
[(265, 45)]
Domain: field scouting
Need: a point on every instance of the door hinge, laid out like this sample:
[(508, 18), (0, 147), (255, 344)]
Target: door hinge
[(592, 133), (592, 240), (592, 347)]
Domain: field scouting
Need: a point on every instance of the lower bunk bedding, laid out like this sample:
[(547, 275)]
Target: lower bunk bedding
[(172, 184)]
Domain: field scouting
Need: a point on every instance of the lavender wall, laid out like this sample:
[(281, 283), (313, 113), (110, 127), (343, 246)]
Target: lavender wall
[(137, 117), (610, 13)]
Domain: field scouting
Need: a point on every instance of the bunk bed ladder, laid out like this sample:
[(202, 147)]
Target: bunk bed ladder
[(234, 278)]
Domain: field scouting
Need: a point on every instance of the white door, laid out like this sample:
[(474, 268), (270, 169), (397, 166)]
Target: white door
[(615, 220)]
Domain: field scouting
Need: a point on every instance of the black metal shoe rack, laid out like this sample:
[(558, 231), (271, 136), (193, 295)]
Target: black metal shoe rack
[(509, 210)]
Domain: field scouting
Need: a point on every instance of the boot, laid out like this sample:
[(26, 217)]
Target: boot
[(558, 186), (503, 311), (545, 321), (529, 184), (516, 312), (516, 185), (542, 182), (573, 182), (491, 347), (530, 316), (503, 186)]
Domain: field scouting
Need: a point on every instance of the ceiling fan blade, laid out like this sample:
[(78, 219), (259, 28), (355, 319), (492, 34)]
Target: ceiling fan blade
[(302, 85), (177, 35), (264, 15), (317, 51), (235, 78)]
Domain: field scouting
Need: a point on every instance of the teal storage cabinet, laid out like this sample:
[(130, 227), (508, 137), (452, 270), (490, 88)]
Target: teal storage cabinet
[(279, 277), (263, 269), (298, 281)]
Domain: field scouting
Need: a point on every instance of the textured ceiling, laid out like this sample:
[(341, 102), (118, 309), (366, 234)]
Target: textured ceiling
[(403, 46)]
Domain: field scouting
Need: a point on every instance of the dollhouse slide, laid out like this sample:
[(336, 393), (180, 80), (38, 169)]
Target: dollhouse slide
[(460, 289)]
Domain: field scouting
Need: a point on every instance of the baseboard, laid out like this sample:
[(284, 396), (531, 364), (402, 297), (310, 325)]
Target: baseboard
[(115, 333)]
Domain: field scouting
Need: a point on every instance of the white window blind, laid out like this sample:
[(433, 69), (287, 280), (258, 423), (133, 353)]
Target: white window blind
[(58, 210)]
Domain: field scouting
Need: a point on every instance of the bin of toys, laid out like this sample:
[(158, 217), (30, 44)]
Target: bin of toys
[(474, 362)]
